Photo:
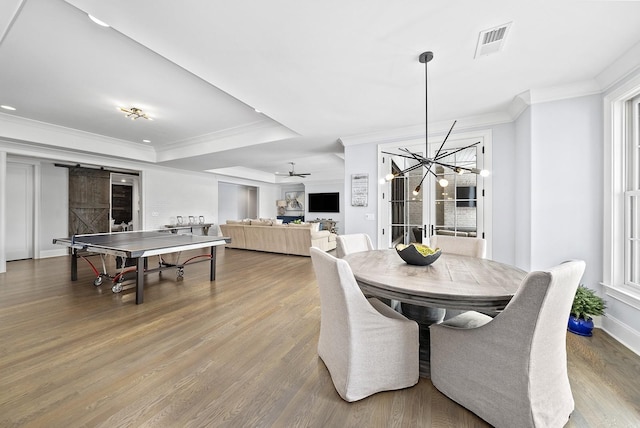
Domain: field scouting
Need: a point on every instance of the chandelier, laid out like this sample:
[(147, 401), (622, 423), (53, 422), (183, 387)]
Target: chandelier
[(438, 158), (135, 113)]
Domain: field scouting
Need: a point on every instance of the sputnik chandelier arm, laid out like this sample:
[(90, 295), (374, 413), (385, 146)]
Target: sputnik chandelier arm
[(424, 161)]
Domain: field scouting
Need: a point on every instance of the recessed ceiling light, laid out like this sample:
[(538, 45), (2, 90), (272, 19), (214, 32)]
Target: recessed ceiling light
[(97, 21), (8, 108)]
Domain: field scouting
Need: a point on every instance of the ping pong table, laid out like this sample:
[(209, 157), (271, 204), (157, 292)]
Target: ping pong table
[(138, 246)]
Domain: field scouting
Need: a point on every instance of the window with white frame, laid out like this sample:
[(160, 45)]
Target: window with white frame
[(632, 194), (621, 262)]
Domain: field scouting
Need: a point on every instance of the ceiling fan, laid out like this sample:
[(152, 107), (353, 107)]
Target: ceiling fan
[(293, 172)]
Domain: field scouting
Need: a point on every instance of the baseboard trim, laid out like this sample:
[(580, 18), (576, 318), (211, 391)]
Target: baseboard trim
[(622, 333), (45, 254)]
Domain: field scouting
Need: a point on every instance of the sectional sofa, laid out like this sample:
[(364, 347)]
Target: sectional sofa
[(268, 235)]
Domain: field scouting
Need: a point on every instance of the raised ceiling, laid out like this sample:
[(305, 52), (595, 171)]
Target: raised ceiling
[(316, 71)]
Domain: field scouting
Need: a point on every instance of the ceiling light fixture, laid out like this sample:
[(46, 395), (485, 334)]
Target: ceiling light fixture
[(134, 113), (97, 21), (427, 162), (8, 108)]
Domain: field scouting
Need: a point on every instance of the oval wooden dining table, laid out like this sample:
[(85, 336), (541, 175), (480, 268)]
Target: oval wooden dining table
[(451, 282)]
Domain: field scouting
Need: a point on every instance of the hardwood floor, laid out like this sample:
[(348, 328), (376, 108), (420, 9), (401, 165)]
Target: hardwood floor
[(236, 352)]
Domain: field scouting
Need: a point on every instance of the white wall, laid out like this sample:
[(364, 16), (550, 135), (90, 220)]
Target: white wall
[(361, 159), (235, 202), (326, 187), (522, 180), (168, 193), (3, 204), (54, 208), (567, 184), (503, 187), (267, 194)]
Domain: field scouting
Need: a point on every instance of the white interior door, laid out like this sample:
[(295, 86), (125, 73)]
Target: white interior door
[(457, 208), (19, 215), (403, 214), (460, 208)]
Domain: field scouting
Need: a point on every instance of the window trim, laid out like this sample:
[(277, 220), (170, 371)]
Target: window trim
[(615, 173)]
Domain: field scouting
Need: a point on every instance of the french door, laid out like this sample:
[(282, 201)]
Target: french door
[(459, 208)]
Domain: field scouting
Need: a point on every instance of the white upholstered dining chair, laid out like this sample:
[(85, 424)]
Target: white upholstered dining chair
[(464, 246), (511, 370), (366, 346), (356, 242)]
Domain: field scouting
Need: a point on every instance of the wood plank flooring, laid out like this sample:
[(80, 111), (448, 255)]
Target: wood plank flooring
[(236, 352)]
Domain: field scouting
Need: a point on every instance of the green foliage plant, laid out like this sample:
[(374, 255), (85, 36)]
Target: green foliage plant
[(587, 303)]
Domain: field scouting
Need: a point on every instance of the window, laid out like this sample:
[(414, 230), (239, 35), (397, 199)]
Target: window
[(621, 263), (632, 195)]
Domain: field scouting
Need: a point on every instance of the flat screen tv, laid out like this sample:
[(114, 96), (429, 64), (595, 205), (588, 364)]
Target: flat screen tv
[(324, 202), (466, 192)]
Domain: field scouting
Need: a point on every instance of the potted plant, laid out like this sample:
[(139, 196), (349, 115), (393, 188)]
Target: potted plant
[(586, 304)]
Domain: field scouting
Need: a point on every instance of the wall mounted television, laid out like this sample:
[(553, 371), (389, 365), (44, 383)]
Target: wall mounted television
[(466, 192), (324, 202)]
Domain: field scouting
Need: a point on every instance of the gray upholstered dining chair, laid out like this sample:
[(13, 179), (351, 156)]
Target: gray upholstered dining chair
[(366, 346), (464, 246), (511, 370), (347, 244)]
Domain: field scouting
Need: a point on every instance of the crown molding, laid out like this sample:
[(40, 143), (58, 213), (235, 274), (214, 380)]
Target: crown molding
[(245, 173), (619, 70), (14, 128), (10, 12), (563, 92), (553, 93), (20, 149), (248, 135), (436, 128)]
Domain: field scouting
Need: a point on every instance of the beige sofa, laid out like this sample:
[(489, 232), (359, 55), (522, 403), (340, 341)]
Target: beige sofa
[(265, 235)]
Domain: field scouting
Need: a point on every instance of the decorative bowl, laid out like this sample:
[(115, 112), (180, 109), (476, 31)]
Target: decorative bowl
[(412, 256)]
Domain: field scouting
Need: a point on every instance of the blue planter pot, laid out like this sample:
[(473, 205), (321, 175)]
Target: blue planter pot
[(580, 326)]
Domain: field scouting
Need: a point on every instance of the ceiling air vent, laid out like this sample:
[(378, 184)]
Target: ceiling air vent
[(492, 40)]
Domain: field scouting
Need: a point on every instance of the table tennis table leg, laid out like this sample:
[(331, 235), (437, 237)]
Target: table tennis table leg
[(212, 270), (74, 265), (140, 262)]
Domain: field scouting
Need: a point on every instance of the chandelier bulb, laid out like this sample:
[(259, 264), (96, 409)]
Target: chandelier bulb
[(416, 191), (443, 182), (484, 173), (389, 177)]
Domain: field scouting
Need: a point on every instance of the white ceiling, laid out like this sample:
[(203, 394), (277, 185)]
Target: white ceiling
[(318, 71)]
